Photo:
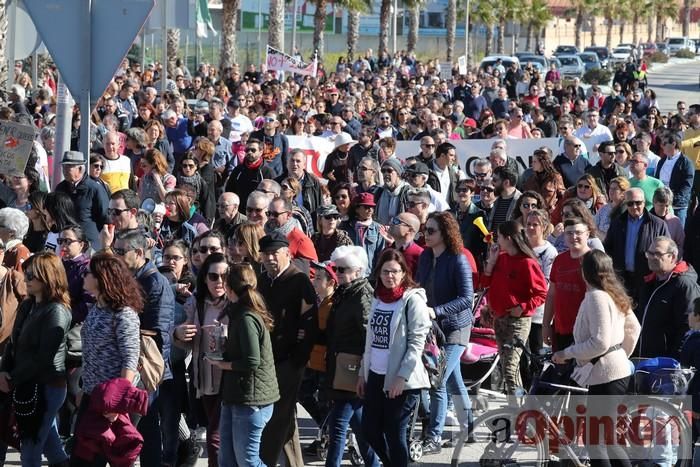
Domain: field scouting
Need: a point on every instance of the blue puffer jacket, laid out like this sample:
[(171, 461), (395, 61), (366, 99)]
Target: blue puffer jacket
[(453, 291), (158, 310)]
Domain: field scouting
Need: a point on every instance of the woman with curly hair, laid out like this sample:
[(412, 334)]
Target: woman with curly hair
[(586, 189), (542, 172), (342, 195), (528, 202), (446, 276), (155, 182)]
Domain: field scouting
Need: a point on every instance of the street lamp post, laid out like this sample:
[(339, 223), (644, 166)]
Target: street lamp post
[(466, 35)]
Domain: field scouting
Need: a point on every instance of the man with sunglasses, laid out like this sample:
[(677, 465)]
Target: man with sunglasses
[(571, 164), (291, 301), (630, 235), (281, 220), (159, 427), (638, 164), (677, 172), (245, 177), (606, 168), (274, 145), (393, 197)]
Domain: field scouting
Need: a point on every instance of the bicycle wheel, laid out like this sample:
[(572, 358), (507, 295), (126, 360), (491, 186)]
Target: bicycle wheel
[(657, 432), (498, 441)]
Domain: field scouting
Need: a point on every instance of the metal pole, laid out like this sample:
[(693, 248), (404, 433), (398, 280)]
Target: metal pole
[(294, 28), (85, 104), (260, 22), (164, 41), (393, 25), (466, 35), (35, 69), (12, 25), (197, 52), (187, 48), (64, 121), (143, 49)]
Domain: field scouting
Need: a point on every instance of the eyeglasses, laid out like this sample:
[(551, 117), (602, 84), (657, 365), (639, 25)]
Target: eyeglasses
[(66, 241), (635, 203), (331, 217), (366, 169), (488, 189), (652, 254), (114, 212), (121, 251), (480, 175), (255, 210), (635, 161), (216, 277), (208, 249), (270, 119), (463, 190), (431, 231), (168, 258), (583, 186), (391, 272), (275, 215), (529, 205), (397, 221), (428, 145), (97, 166)]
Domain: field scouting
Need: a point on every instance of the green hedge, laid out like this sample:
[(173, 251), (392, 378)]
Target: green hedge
[(597, 75), (685, 53), (658, 57)]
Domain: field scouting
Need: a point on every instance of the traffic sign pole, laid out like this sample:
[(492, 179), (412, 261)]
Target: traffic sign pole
[(85, 104), (11, 45), (64, 122)]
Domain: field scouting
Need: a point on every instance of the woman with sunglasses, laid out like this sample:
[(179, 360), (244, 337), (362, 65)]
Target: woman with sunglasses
[(446, 276), (615, 205), (181, 221), (176, 256), (341, 196), (328, 236), (73, 248), (206, 308), (586, 190), (517, 287), (623, 154), (34, 361), (528, 202), (188, 175), (95, 170)]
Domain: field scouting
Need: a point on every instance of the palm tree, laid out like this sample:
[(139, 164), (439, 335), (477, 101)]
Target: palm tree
[(484, 13), (173, 45), (537, 14), (623, 15), (229, 20), (687, 4), (275, 25), (384, 16), (355, 8), (3, 44), (507, 10), (319, 26), (414, 7), (451, 26)]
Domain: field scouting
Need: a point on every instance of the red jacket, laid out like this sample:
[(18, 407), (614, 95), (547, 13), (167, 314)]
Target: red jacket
[(301, 246), (516, 280), (119, 441)]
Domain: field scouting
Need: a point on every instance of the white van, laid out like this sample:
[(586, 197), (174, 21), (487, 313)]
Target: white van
[(678, 43)]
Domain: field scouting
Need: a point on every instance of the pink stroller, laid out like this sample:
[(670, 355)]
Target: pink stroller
[(480, 358)]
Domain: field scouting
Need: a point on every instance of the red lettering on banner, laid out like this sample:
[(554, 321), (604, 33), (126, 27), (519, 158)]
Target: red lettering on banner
[(312, 161)]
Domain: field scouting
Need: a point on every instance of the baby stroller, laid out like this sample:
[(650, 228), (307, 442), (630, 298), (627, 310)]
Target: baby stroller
[(480, 358)]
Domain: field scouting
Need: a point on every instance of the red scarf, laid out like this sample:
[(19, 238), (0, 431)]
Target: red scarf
[(389, 295), (254, 165)]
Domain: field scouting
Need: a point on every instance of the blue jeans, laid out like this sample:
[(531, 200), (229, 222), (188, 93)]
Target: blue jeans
[(385, 421), (240, 429), (452, 381), (48, 442), (682, 214), (342, 414), (159, 427)]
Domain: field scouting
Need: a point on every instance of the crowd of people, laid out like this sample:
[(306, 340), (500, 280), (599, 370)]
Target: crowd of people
[(195, 228)]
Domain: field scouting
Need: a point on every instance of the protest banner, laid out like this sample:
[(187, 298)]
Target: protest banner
[(280, 61), (16, 145)]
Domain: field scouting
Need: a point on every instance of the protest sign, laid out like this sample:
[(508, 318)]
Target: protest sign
[(15, 146)]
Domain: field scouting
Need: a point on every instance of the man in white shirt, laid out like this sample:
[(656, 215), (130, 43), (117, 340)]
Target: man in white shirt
[(239, 122), (592, 134)]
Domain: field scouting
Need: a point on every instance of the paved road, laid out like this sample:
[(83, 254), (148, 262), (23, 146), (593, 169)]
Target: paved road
[(674, 81)]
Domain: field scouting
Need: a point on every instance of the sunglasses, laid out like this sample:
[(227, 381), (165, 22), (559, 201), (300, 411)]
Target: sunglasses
[(216, 277), (488, 189), (168, 258), (207, 249), (97, 166), (66, 241), (120, 251), (428, 145), (341, 269), (413, 204), (397, 221), (387, 171), (247, 150), (286, 187), (270, 119), (114, 212), (462, 190), (635, 203), (331, 217), (482, 175)]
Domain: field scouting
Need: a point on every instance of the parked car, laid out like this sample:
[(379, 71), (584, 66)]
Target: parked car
[(571, 66), (590, 60), (678, 43), (539, 62), (620, 55), (649, 48), (663, 48), (566, 50), (636, 51), (602, 52), (506, 60)]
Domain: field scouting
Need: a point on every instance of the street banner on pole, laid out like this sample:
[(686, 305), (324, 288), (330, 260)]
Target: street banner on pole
[(15, 146), (280, 61)]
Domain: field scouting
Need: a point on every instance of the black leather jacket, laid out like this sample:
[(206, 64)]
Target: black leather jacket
[(36, 352)]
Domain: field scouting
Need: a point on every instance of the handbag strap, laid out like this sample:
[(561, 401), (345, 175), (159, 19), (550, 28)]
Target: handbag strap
[(615, 347)]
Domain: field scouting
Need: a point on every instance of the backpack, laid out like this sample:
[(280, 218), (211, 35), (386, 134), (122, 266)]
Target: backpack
[(151, 364)]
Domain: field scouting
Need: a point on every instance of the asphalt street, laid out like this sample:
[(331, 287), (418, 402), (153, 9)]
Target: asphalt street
[(675, 81)]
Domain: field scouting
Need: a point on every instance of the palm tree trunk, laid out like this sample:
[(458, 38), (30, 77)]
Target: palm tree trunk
[(488, 39), (608, 31), (501, 38), (686, 17), (276, 25), (3, 44), (594, 29), (173, 44), (635, 26), (622, 30), (451, 28), (319, 26), (413, 23), (650, 26), (353, 34), (528, 39), (229, 51), (578, 27), (384, 13)]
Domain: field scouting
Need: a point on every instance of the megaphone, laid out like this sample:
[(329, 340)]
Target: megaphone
[(479, 222)]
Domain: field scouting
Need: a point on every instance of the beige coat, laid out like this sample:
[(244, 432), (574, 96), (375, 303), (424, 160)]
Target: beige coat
[(599, 326)]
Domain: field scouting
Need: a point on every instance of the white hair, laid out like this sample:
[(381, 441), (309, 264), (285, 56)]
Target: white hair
[(353, 256), (16, 221)]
